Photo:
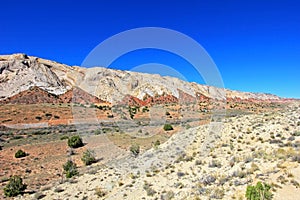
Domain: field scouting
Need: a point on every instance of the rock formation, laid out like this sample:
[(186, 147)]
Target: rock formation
[(19, 72)]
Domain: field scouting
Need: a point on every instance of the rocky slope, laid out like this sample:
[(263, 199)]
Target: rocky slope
[(37, 95), (245, 149), (19, 72)]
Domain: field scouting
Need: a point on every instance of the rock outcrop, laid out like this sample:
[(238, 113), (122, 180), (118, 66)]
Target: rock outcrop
[(19, 72)]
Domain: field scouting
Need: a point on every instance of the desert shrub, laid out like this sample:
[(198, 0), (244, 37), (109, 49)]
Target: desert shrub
[(70, 169), (41, 132), (93, 106), (145, 109), (215, 163), (296, 158), (133, 111), (110, 116), (156, 143), (64, 137), (217, 193), (168, 196), (296, 133), (168, 127), (48, 115), (207, 179), (100, 192), (20, 154), (188, 126), (148, 189), (295, 183), (38, 118), (239, 173), (88, 157), (135, 149), (97, 132), (253, 168), (259, 192), (17, 137), (75, 141), (14, 187)]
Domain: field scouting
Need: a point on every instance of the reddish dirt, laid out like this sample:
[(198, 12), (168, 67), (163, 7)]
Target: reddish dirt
[(49, 114), (129, 100), (77, 95), (45, 160), (42, 165), (32, 96), (36, 95)]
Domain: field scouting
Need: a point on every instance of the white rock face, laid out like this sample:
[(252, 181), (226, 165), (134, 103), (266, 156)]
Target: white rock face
[(19, 72)]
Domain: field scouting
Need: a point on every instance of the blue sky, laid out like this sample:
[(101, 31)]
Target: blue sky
[(255, 44)]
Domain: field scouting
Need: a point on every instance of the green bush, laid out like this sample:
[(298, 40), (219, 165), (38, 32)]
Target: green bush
[(88, 157), (156, 143), (14, 187), (168, 127), (70, 169), (75, 141), (135, 149), (259, 192), (20, 154)]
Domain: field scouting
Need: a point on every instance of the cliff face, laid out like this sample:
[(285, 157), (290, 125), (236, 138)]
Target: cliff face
[(19, 72)]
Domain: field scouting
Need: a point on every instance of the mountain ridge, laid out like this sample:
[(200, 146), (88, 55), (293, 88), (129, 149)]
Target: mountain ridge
[(19, 72)]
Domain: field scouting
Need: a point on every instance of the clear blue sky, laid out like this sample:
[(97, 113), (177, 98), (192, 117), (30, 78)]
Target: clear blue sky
[(254, 43)]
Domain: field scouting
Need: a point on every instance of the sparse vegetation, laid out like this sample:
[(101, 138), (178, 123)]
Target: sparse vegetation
[(217, 193), (296, 158), (14, 187), (75, 141), (168, 196), (38, 118), (70, 169), (156, 143), (261, 191), (97, 132), (250, 149), (145, 109), (133, 110), (88, 157), (64, 137), (135, 149), (150, 191), (296, 133), (20, 154), (100, 192), (168, 127)]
